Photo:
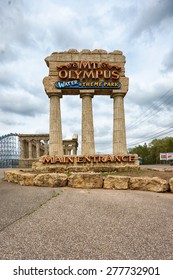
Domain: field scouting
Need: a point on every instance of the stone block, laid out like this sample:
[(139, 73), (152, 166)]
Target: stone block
[(19, 177), (26, 179), (85, 180), (85, 57), (11, 176), (153, 184), (53, 180), (171, 184), (116, 182)]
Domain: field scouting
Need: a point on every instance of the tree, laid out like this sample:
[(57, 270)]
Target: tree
[(151, 153)]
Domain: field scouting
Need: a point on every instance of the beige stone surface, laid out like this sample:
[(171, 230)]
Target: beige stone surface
[(55, 131), (51, 180), (26, 179), (154, 184), (116, 182), (88, 146), (119, 130), (88, 180), (11, 176), (85, 180), (19, 177), (171, 184)]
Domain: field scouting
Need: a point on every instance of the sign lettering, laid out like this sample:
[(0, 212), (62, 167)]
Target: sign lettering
[(87, 74), (88, 159)]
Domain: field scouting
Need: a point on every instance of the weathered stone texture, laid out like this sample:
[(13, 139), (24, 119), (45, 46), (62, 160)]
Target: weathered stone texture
[(85, 180), (88, 180), (55, 133), (119, 130), (171, 184), (116, 182), (88, 146), (51, 180), (19, 177), (153, 184), (11, 176), (26, 179)]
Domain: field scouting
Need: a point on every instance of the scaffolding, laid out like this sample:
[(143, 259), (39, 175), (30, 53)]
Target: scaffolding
[(9, 150)]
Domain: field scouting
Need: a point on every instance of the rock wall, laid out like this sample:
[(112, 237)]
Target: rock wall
[(89, 180)]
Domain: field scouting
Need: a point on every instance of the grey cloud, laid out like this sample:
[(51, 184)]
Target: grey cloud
[(168, 62), (101, 131), (11, 122), (13, 29), (22, 105), (157, 97), (22, 110), (153, 16)]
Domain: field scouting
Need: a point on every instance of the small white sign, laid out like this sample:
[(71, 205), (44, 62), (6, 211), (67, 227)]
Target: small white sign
[(163, 156)]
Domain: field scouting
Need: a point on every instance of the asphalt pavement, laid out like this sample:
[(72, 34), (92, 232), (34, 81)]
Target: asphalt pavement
[(65, 223)]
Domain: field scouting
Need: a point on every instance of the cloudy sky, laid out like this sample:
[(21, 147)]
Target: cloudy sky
[(32, 30)]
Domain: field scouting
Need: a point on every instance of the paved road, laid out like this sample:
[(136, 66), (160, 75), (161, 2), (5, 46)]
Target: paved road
[(64, 223)]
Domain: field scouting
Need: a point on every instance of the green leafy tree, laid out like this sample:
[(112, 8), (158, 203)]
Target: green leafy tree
[(150, 153)]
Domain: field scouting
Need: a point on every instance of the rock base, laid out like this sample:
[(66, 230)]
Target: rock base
[(86, 180)]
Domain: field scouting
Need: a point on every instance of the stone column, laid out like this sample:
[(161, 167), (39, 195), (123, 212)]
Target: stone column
[(38, 149), (30, 149), (119, 131), (46, 147), (55, 130), (88, 146), (74, 150), (22, 149)]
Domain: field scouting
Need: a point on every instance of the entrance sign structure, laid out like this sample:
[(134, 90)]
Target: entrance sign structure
[(87, 74)]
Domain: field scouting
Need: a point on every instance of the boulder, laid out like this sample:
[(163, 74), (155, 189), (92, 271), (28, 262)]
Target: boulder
[(11, 176), (52, 180), (171, 184), (153, 184), (116, 182), (85, 180), (26, 179), (19, 177)]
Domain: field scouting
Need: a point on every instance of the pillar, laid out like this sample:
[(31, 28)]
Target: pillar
[(119, 131), (22, 149), (30, 149), (55, 129), (74, 150), (38, 149), (88, 146), (46, 150)]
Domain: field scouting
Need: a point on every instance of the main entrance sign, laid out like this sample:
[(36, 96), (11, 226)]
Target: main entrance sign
[(88, 74), (72, 71)]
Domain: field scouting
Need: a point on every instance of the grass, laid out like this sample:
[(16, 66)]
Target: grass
[(125, 173)]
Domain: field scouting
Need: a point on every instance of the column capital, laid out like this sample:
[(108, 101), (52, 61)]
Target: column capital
[(87, 92), (58, 93), (114, 93)]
